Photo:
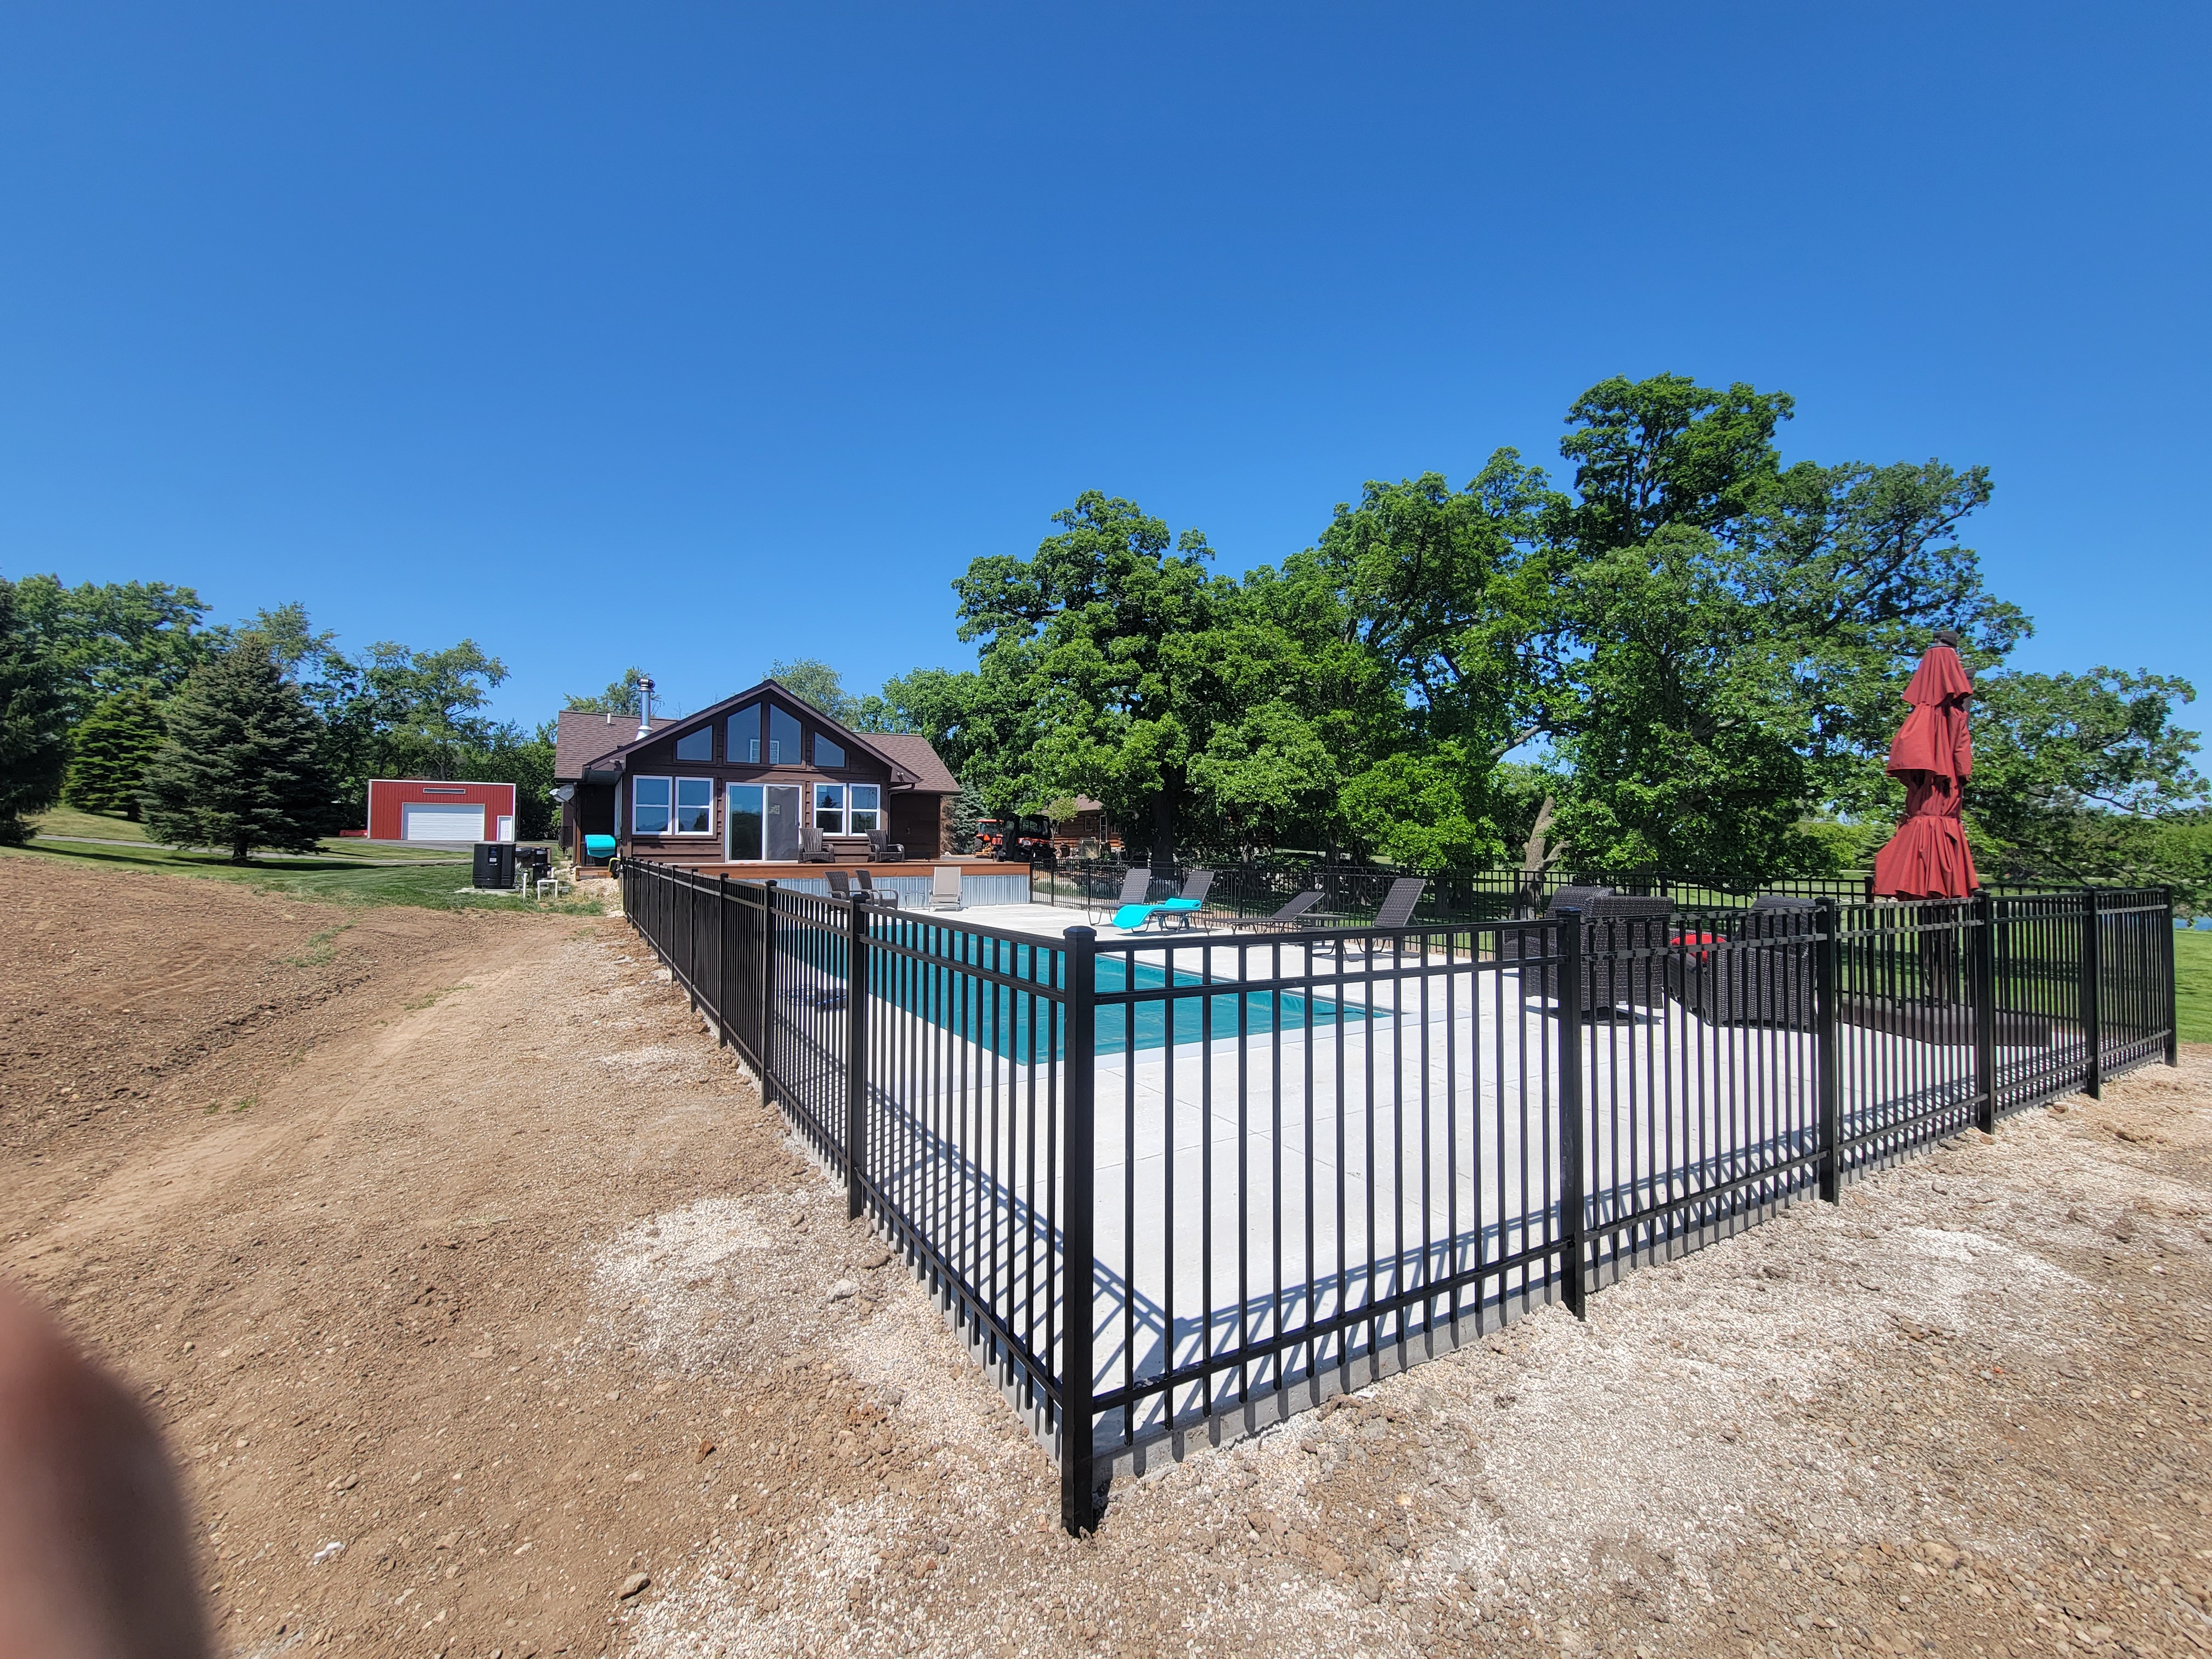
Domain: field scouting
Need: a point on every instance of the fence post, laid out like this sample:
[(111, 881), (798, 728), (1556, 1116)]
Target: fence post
[(856, 1063), (1571, 1107), (691, 939), (1077, 1298), (2172, 992), (1986, 1013), (2092, 1011), (721, 960), (1826, 951), (768, 994)]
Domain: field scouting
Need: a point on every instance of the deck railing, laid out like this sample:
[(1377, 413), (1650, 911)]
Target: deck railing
[(1158, 1182)]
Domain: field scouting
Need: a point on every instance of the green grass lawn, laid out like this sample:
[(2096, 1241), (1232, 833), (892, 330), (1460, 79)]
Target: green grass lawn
[(340, 880), (97, 826), (2192, 982), (70, 822)]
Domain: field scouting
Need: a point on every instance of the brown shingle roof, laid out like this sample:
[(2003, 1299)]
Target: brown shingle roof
[(579, 737), (913, 752)]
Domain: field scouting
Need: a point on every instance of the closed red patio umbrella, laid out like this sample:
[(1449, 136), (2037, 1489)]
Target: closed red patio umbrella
[(1934, 753)]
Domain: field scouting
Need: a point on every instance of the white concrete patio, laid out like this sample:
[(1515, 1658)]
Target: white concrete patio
[(1345, 1149)]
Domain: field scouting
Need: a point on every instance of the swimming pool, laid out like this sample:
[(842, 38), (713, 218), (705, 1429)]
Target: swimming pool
[(1001, 1017)]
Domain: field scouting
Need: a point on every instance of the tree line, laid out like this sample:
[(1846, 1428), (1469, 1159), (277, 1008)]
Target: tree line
[(119, 698), (1689, 657)]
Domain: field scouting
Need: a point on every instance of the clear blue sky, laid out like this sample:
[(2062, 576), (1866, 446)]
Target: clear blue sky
[(692, 336)]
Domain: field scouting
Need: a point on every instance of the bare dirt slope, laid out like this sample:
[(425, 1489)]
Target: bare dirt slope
[(502, 1283)]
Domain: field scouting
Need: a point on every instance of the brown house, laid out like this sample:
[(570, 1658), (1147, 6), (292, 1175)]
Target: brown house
[(743, 782)]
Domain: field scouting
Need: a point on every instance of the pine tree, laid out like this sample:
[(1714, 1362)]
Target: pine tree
[(109, 753), (33, 729), (242, 767)]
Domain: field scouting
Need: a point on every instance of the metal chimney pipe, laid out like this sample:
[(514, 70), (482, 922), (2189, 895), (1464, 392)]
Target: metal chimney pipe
[(644, 707)]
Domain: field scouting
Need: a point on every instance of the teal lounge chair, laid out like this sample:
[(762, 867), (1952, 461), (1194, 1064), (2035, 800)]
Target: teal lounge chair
[(1181, 908)]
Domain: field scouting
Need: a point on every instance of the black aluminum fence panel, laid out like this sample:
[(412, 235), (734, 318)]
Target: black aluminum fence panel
[(2132, 975), (963, 1123), (1905, 1029), (1702, 1078), (1156, 1179), (1313, 1150), (809, 1025)]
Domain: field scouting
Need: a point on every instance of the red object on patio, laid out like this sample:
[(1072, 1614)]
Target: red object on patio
[(1932, 752)]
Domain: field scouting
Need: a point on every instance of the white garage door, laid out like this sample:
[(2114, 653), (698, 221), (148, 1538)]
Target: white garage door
[(439, 822)]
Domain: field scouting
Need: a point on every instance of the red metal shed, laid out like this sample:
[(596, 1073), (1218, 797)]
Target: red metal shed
[(432, 808)]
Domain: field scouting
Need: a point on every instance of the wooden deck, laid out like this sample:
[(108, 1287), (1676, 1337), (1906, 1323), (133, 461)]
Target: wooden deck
[(877, 870)]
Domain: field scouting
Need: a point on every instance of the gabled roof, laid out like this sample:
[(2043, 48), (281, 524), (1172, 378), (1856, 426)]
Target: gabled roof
[(911, 758), (914, 751), (580, 737)]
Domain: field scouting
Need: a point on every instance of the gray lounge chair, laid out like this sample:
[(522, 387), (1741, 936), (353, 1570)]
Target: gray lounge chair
[(945, 887), (1135, 884), (1283, 919), (888, 897), (1392, 917), (810, 848), (882, 848)]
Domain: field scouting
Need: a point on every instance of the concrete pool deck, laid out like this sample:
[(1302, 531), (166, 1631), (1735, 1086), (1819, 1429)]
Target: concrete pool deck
[(1246, 1185)]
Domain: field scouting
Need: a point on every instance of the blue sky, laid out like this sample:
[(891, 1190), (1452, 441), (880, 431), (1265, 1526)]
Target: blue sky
[(695, 336)]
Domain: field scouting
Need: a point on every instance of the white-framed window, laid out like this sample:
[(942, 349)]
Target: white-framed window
[(864, 813), (673, 806), (829, 808), (695, 807), (651, 800)]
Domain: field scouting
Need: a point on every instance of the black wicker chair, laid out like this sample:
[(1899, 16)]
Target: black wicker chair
[(1757, 970), (1624, 942)]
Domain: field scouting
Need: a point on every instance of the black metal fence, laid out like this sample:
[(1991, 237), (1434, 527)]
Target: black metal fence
[(1164, 1183), (1351, 892)]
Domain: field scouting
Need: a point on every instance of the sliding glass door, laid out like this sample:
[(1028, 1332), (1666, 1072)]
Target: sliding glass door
[(764, 821)]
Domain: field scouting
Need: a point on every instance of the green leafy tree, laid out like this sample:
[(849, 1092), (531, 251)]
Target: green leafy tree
[(1455, 592), (1115, 664), (819, 683), (2180, 857), (111, 637), (507, 753), (34, 714), (109, 752), (242, 767), (1422, 809), (1429, 620), (932, 702), (2076, 775), (423, 707), (622, 697), (1734, 633)]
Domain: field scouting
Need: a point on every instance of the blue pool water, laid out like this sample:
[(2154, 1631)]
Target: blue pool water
[(1016, 1024)]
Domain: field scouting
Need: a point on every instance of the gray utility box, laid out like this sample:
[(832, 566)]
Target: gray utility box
[(495, 863)]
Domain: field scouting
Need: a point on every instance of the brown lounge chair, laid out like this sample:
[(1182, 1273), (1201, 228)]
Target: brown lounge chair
[(1284, 919)]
